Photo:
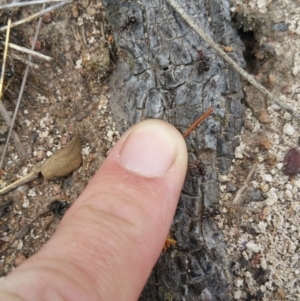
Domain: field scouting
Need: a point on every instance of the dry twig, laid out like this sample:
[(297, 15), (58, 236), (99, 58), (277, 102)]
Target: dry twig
[(29, 51), (20, 94), (26, 3), (3, 111), (238, 195), (198, 121), (17, 141), (36, 15), (20, 182), (230, 61), (5, 56), (30, 64)]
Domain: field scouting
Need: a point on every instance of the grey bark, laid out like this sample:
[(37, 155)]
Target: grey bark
[(160, 75)]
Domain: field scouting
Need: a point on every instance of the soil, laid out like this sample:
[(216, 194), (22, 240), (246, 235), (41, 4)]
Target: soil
[(69, 95), (65, 96)]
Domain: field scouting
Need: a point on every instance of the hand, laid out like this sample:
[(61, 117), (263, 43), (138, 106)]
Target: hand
[(111, 237)]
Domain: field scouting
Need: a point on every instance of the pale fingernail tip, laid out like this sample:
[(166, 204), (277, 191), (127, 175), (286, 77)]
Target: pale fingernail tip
[(149, 150)]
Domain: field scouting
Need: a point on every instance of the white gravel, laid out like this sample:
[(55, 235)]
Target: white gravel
[(266, 233)]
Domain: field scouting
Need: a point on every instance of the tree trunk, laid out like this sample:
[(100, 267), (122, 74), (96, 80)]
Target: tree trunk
[(166, 71)]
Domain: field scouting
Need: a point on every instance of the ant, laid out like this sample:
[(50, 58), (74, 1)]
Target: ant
[(203, 60), (129, 22), (59, 208), (206, 215), (197, 167)]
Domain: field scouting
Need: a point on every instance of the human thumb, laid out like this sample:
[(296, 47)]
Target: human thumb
[(111, 237)]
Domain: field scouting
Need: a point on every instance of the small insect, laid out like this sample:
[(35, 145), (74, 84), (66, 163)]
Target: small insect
[(197, 167), (203, 60), (169, 242), (206, 215), (129, 22), (5, 206), (59, 208)]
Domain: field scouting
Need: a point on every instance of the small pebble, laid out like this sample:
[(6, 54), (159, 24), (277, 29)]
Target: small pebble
[(253, 247), (264, 117), (265, 143), (230, 187), (265, 212), (238, 282), (238, 153), (271, 160), (19, 259), (110, 135), (270, 202), (262, 226), (286, 90), (25, 203), (297, 183), (288, 129), (280, 26), (288, 195), (272, 193), (49, 153), (91, 11), (40, 154), (20, 245), (267, 178), (263, 263), (23, 189), (64, 140), (280, 293), (237, 295), (264, 187), (47, 18), (288, 186), (287, 116), (222, 178)]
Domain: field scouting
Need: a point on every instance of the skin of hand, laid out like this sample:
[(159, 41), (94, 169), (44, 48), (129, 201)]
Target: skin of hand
[(111, 237)]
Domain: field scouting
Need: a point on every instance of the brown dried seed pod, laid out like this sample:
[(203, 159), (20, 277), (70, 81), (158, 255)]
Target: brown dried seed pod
[(63, 162)]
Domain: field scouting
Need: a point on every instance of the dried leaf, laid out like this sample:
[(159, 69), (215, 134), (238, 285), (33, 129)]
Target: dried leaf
[(63, 162)]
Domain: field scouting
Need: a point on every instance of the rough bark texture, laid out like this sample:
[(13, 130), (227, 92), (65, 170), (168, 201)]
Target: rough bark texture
[(160, 74)]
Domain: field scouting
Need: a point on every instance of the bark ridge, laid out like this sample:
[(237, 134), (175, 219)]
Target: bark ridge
[(167, 71)]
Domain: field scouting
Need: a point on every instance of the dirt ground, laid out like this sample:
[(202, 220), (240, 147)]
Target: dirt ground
[(69, 95), (61, 97)]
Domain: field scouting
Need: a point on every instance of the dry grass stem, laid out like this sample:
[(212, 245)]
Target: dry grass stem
[(29, 51), (4, 57), (19, 182), (30, 64), (17, 141), (20, 94), (26, 3), (230, 61), (237, 198), (3, 110), (36, 15)]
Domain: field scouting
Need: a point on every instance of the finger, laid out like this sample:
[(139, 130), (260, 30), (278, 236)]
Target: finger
[(109, 240)]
